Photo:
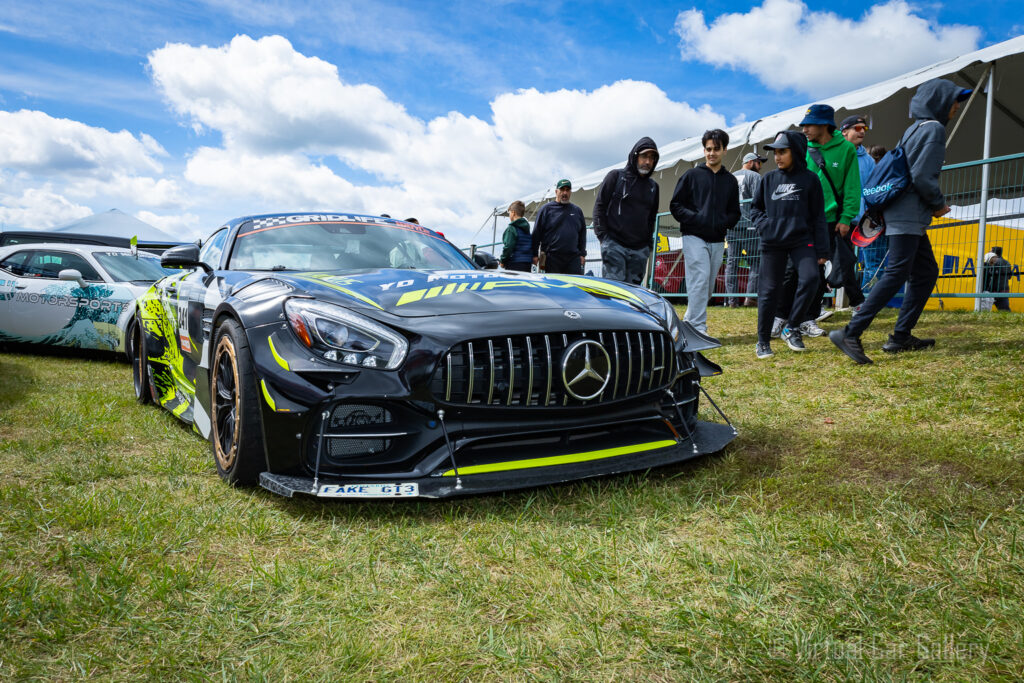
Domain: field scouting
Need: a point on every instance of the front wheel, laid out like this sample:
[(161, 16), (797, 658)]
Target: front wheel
[(136, 348), (237, 438)]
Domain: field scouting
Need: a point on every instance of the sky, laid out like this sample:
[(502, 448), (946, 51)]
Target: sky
[(186, 114)]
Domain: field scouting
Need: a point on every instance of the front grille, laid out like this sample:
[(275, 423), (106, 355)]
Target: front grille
[(526, 370)]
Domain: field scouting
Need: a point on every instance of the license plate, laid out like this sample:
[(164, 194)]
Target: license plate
[(369, 490)]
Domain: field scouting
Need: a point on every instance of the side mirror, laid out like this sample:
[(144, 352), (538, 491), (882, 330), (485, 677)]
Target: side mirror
[(72, 275), (183, 256), (485, 260)]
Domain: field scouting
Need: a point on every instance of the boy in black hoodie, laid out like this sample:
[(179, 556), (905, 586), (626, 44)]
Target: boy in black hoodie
[(706, 203), (788, 210)]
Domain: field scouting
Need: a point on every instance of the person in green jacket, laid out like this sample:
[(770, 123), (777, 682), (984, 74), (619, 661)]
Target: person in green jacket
[(518, 245), (834, 159)]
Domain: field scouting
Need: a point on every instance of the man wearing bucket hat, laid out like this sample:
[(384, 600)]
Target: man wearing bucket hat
[(910, 260)]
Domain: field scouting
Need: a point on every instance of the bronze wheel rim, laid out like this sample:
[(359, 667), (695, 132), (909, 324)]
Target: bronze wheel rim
[(226, 404)]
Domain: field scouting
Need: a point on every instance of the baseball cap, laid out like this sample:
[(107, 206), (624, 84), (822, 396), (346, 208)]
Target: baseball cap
[(819, 114), (751, 156), (781, 142), (564, 182), (854, 120), (963, 94)]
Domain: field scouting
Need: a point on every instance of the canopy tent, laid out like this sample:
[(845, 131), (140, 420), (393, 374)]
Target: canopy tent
[(886, 106), (114, 228)]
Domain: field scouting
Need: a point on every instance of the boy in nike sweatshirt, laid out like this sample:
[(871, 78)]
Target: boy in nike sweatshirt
[(788, 210)]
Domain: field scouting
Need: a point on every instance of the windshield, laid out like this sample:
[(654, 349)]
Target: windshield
[(342, 245), (127, 268)]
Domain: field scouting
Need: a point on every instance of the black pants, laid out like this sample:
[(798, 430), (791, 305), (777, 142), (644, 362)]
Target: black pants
[(568, 264), (773, 265), (851, 283), (523, 266), (910, 260)]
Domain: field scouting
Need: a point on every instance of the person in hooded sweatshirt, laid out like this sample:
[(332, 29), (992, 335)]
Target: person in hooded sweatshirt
[(561, 232), (911, 260), (626, 214), (706, 202), (788, 210), (516, 240)]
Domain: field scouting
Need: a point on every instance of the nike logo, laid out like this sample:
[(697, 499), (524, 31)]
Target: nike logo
[(786, 192)]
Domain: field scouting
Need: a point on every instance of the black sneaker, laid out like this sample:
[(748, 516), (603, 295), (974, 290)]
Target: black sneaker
[(793, 338), (911, 344), (851, 346), (763, 350)]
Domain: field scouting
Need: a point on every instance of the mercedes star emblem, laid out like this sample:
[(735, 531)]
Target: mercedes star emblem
[(586, 369)]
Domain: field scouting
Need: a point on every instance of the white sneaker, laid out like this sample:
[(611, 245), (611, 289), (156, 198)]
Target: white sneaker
[(777, 327), (824, 314), (811, 329)]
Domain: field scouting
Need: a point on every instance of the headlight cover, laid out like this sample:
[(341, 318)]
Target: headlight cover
[(667, 312), (341, 336)]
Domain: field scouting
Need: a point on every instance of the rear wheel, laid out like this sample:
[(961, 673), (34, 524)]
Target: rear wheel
[(237, 439), (135, 345)]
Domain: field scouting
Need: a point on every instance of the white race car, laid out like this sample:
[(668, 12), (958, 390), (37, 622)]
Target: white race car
[(73, 295)]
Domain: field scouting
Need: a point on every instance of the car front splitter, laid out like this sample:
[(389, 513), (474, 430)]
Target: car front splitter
[(709, 437)]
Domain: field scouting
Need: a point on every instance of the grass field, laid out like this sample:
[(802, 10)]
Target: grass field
[(866, 524)]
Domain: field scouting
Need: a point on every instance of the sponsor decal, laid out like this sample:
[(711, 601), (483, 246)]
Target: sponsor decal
[(71, 301), (453, 288)]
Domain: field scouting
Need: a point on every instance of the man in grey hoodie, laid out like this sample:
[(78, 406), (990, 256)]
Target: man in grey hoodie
[(910, 252)]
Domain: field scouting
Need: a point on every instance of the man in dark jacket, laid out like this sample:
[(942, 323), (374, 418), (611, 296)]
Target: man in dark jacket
[(910, 253), (626, 214), (516, 240), (706, 202), (788, 210), (561, 233)]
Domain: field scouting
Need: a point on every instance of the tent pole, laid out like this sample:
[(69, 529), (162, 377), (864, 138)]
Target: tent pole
[(983, 219)]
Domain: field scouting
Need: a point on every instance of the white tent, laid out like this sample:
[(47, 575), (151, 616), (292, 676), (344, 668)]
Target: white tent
[(886, 105), (115, 223)]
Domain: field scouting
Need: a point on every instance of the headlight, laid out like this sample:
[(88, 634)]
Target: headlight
[(342, 336), (667, 312)]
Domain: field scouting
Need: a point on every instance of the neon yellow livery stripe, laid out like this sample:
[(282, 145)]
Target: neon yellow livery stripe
[(280, 361), (266, 395), (562, 459)]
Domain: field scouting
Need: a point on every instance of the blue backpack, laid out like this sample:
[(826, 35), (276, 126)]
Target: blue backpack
[(889, 180)]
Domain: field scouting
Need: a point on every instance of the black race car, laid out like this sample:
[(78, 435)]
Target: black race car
[(341, 355)]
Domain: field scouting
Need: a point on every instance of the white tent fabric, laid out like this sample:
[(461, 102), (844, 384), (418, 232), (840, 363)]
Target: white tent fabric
[(886, 104), (115, 223)]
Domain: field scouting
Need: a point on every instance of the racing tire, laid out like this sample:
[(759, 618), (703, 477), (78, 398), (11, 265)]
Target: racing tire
[(236, 437), (135, 345)]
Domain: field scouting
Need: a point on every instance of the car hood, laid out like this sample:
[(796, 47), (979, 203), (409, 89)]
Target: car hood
[(412, 294)]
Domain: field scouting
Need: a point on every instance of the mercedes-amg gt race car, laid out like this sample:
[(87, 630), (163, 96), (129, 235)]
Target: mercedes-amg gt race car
[(74, 295), (349, 356)]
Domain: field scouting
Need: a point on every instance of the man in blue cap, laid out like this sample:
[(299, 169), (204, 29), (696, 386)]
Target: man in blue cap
[(910, 259)]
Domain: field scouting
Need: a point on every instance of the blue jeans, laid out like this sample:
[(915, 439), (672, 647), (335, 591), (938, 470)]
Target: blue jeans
[(702, 260)]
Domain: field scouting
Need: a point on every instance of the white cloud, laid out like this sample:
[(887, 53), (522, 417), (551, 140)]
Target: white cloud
[(186, 226), (38, 208), (279, 113), (786, 45), (37, 142)]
